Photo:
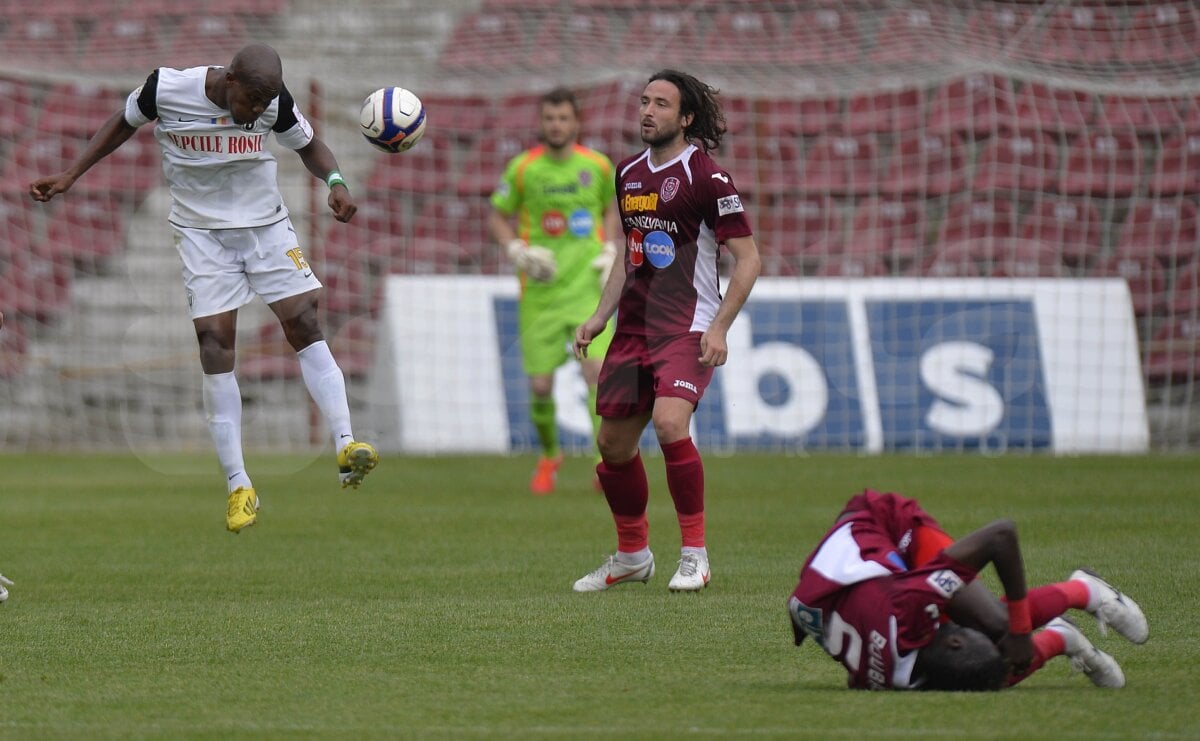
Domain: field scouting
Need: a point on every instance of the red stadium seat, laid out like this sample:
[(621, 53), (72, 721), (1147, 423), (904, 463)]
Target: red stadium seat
[(17, 235), (485, 41), (824, 36), (1018, 160), (952, 261), (1021, 258), (1163, 229), (1176, 168), (897, 111), (799, 116), (131, 171), (35, 157), (1174, 352), (654, 35), (78, 109), (121, 42), (581, 39), (84, 226), (925, 163), (909, 35), (1079, 35), (448, 235), (1102, 163), (1191, 115), (793, 227), (484, 164), (997, 30), (744, 37), (1053, 110), (357, 242), (978, 219), (840, 164), (38, 287), (892, 229), (353, 345), (979, 104), (345, 289), (610, 110), (1162, 33), (518, 115), (38, 37), (1072, 228), (16, 108), (779, 167), (207, 38), (426, 168), (1146, 278), (1150, 115), (1185, 291), (461, 117)]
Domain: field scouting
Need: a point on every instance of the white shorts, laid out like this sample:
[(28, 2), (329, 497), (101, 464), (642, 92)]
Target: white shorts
[(225, 269)]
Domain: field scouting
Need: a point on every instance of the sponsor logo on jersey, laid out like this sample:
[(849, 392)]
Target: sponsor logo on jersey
[(634, 243), (659, 249), (563, 189), (721, 176), (669, 188), (682, 384), (639, 203), (945, 582), (581, 222), (633, 185), (650, 223), (554, 223), (217, 144), (729, 205)]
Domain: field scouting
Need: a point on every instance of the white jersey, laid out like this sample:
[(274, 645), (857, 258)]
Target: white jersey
[(221, 174)]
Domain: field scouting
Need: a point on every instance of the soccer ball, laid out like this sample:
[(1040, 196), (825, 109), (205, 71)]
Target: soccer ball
[(392, 119)]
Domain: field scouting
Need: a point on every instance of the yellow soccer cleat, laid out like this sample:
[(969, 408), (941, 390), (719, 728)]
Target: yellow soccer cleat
[(242, 511), (355, 461)]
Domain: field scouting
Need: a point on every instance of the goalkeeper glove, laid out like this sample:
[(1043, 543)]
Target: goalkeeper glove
[(604, 262), (537, 262)]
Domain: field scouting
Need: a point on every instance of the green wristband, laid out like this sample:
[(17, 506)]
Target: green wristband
[(335, 178)]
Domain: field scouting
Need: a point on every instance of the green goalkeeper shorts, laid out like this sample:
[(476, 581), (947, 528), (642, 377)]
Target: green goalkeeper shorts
[(548, 335)]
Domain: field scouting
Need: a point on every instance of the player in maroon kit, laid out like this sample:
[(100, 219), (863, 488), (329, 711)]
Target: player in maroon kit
[(678, 209), (895, 600)]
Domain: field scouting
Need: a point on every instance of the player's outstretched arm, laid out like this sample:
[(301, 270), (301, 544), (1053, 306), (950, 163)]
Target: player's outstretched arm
[(319, 160), (115, 132)]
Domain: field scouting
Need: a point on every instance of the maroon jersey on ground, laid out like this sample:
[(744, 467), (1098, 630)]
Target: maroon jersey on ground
[(859, 599), (674, 216)]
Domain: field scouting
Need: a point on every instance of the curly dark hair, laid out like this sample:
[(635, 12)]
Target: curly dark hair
[(960, 660), (700, 100)]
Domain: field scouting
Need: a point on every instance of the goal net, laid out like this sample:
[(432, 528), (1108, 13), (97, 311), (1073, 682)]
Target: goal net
[(919, 175)]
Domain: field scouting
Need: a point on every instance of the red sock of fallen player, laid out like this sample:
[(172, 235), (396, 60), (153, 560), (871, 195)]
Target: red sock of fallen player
[(1052, 600), (685, 480), (1046, 645)]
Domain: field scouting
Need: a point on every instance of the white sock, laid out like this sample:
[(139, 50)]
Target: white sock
[(327, 386), (223, 410), (702, 552), (636, 557)]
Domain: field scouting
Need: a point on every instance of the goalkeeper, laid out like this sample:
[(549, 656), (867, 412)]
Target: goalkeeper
[(562, 197)]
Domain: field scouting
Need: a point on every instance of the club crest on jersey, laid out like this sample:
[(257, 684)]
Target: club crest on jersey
[(669, 188), (585, 178), (729, 205), (659, 249)]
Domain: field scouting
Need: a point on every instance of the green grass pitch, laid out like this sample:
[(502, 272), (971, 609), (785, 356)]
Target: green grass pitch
[(436, 601)]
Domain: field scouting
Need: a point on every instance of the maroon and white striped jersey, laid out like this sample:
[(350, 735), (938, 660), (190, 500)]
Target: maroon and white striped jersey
[(675, 216)]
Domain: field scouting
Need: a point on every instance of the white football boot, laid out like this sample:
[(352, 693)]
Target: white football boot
[(692, 575), (612, 572), (1111, 607), (4, 583), (1102, 669)]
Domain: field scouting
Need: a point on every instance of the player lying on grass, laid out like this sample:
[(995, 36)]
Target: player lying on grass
[(896, 601)]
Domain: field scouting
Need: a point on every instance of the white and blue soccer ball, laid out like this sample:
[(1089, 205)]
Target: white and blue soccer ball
[(392, 119)]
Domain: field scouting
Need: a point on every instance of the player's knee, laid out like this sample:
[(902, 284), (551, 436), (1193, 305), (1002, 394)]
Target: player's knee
[(302, 330)]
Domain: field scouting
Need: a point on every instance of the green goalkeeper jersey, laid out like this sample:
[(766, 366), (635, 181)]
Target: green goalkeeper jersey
[(560, 205)]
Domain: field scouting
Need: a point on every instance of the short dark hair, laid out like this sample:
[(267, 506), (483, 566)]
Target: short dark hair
[(700, 100), (561, 95), (960, 660)]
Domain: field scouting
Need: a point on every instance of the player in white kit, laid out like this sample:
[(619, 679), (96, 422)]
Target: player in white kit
[(234, 236)]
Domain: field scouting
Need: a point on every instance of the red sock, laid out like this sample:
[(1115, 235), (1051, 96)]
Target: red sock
[(685, 480), (1046, 645), (1052, 600), (627, 492)]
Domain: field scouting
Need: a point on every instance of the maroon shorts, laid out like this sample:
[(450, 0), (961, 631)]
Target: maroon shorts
[(637, 370)]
